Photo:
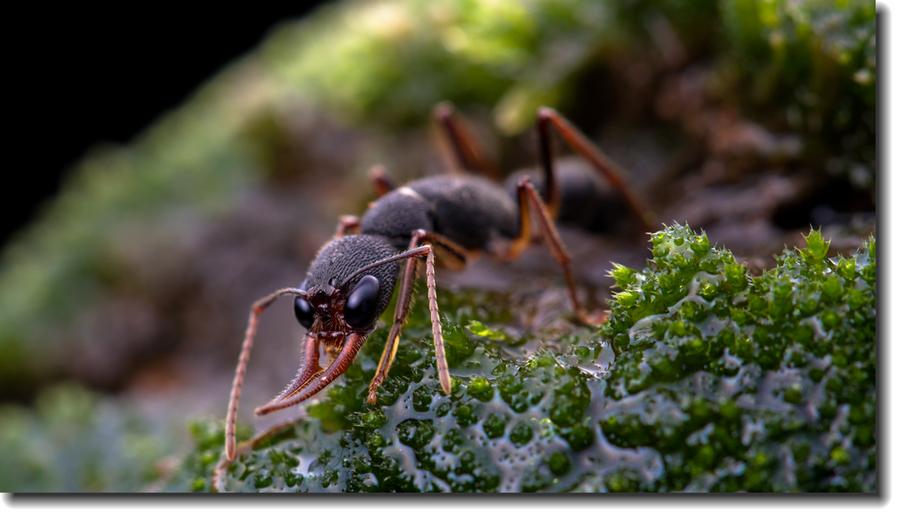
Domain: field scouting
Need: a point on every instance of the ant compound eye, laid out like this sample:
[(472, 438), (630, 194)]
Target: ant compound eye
[(302, 309), (304, 312), (359, 310)]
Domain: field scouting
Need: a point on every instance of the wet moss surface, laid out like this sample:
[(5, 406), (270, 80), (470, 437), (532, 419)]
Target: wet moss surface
[(720, 381), (762, 383)]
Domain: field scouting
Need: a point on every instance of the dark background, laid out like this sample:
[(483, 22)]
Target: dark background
[(83, 75)]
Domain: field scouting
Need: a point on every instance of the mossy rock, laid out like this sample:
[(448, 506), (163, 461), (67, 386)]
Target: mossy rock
[(721, 382)]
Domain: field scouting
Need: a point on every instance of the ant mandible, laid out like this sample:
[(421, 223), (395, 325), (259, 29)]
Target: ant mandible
[(351, 281)]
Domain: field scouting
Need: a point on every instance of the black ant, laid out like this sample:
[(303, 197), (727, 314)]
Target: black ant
[(351, 281)]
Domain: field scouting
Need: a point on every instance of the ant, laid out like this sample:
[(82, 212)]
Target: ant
[(351, 281)]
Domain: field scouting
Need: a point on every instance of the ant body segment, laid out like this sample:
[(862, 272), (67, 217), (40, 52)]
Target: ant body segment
[(351, 281)]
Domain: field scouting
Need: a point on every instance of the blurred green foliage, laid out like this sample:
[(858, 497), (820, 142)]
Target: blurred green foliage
[(391, 62), (808, 67), (75, 441), (723, 382)]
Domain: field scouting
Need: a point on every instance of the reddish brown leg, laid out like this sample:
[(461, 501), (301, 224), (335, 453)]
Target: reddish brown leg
[(469, 156), (545, 151), (255, 311), (440, 358), (347, 224), (381, 182), (518, 245), (404, 298), (528, 197), (610, 171), (218, 480)]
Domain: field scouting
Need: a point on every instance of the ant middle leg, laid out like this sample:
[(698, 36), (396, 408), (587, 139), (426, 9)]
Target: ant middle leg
[(530, 201)]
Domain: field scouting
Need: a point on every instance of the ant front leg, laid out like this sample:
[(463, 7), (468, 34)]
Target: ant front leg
[(218, 478), (231, 419), (404, 298)]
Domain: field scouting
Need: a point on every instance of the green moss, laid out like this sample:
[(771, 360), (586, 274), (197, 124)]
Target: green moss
[(693, 401), (785, 337), (495, 425)]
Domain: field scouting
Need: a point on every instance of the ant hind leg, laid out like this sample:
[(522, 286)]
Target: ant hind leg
[(468, 156), (547, 118)]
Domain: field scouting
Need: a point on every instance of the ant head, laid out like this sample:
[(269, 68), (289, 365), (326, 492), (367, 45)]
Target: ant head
[(349, 285), (344, 295)]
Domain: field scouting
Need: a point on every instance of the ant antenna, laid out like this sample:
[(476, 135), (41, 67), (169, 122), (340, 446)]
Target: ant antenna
[(421, 250), (258, 307)]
